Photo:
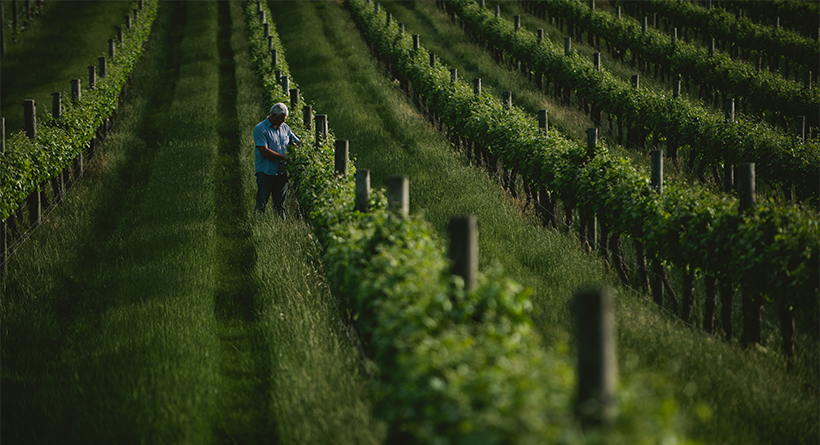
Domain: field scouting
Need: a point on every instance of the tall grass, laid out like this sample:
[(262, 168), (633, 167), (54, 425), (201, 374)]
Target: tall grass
[(731, 395)]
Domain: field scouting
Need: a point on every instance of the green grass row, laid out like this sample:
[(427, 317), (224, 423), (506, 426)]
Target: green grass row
[(149, 307), (335, 70)]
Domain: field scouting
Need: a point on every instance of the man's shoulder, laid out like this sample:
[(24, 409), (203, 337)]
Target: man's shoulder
[(262, 125)]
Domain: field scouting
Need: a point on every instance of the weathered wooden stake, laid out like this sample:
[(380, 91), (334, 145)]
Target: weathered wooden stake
[(592, 141), (307, 117), (540, 34), (801, 128), (596, 61), (92, 77), (389, 19), (636, 81), (102, 66), (136, 14), (644, 24), (274, 58), (56, 105), (262, 18), (321, 128), (112, 49), (477, 86), (363, 190), (398, 194), (30, 118), (567, 45), (597, 356), (401, 29), (543, 121), (277, 74), (711, 47), (128, 22), (729, 110), (463, 251), (618, 12), (341, 155), (676, 88), (415, 41), (377, 7), (506, 99), (746, 185), (76, 90), (2, 135), (266, 29), (432, 60), (497, 11), (453, 75), (270, 43), (294, 97), (285, 84), (517, 22), (657, 171)]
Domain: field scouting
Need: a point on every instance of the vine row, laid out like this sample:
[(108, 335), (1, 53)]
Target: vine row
[(452, 365), (686, 226)]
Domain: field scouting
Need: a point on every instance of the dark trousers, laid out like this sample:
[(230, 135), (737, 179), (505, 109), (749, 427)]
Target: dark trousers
[(271, 186)]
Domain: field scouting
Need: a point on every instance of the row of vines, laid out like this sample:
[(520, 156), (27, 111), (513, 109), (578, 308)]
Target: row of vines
[(687, 226), (761, 89), (451, 365), (27, 164), (743, 32), (781, 160)]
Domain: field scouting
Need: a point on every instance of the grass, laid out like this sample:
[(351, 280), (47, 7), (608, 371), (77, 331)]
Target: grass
[(730, 395), (149, 307), (57, 47)]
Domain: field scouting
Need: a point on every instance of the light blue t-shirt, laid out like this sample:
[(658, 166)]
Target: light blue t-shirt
[(276, 139)]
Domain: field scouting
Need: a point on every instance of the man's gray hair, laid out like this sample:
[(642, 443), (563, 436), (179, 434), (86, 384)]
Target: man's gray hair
[(279, 109)]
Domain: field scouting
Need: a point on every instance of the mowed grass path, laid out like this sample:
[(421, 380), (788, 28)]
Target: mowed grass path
[(150, 307), (730, 395)]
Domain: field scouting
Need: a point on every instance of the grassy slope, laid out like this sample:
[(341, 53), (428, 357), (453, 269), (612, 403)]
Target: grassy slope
[(750, 398), (58, 47)]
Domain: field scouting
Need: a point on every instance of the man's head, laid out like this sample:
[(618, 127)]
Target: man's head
[(278, 114)]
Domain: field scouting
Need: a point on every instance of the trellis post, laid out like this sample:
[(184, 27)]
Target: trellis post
[(597, 356), (341, 155), (30, 118), (398, 194), (363, 190), (321, 128), (463, 252)]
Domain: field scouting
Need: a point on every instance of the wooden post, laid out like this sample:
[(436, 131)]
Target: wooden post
[(711, 47), (92, 76), (644, 23), (2, 134), (497, 11), (477, 86), (463, 251), (128, 22), (76, 90), (30, 118), (376, 7), (592, 5), (398, 194), (321, 128), (540, 35), (592, 142), (432, 60), (657, 171), (746, 185), (103, 68), (596, 61), (597, 356), (307, 116), (341, 156), (415, 41), (729, 110), (142, 4), (389, 19), (262, 18), (618, 12), (401, 29), (807, 79), (636, 81), (277, 74), (285, 84), (258, 6), (453, 75), (294, 97), (136, 14), (274, 58), (506, 99), (567, 45), (517, 22), (56, 105), (676, 88), (266, 29), (363, 190), (674, 37), (112, 49), (543, 121), (270, 43)]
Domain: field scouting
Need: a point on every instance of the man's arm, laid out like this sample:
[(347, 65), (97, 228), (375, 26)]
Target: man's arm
[(270, 154)]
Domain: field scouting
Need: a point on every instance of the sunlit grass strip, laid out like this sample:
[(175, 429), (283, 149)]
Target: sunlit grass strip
[(26, 163), (451, 365)]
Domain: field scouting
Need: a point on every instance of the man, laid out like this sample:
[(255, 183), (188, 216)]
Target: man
[(272, 137)]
